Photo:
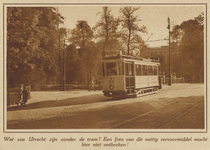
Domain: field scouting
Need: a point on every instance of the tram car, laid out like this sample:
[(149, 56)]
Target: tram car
[(128, 76)]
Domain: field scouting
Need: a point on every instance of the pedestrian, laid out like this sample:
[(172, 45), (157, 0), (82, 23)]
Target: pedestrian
[(19, 93), (92, 83), (25, 96)]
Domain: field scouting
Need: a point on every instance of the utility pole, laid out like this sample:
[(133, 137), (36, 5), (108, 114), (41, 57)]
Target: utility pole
[(64, 68), (169, 82)]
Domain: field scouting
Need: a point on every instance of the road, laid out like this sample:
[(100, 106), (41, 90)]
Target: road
[(180, 106)]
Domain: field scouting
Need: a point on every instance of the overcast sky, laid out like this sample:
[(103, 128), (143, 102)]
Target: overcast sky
[(154, 17)]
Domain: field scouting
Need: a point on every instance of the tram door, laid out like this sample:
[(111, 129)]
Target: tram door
[(129, 76)]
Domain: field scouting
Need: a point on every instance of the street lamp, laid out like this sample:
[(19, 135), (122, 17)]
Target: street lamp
[(64, 66), (169, 82)]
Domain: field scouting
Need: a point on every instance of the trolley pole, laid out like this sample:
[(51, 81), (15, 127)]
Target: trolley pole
[(169, 82)]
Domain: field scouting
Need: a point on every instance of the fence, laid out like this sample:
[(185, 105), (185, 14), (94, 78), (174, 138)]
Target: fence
[(174, 80)]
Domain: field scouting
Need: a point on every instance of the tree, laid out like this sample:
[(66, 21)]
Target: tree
[(31, 44), (72, 63), (88, 64), (60, 46), (105, 29), (191, 36), (130, 29), (81, 35)]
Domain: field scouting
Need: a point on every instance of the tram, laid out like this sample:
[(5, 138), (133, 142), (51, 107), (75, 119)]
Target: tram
[(128, 76)]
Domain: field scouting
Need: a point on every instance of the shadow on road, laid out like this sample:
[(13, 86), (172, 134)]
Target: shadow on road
[(64, 102)]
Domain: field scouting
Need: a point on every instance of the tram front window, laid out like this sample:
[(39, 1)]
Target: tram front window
[(111, 69)]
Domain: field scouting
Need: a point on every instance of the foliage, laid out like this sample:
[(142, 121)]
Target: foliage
[(87, 64), (130, 29), (72, 63), (81, 35), (106, 28), (31, 44), (191, 36), (35, 44)]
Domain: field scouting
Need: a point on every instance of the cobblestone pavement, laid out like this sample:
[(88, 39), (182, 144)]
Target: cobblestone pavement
[(192, 118), (176, 106), (183, 114)]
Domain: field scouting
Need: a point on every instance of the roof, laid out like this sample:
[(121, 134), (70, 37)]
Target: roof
[(106, 57)]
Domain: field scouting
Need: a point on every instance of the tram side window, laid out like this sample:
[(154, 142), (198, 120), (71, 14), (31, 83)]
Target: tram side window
[(154, 70), (149, 70), (111, 69), (138, 70), (144, 70)]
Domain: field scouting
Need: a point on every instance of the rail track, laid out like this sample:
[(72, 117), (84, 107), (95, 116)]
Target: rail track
[(164, 123)]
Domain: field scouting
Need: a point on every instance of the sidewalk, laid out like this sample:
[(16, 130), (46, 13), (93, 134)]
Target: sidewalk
[(40, 96)]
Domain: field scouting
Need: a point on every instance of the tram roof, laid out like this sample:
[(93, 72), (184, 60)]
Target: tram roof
[(106, 57)]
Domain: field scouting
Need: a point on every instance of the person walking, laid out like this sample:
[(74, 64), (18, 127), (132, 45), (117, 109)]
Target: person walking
[(25, 96), (92, 83), (19, 93)]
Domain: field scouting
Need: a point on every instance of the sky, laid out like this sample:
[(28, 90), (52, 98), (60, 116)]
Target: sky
[(154, 17)]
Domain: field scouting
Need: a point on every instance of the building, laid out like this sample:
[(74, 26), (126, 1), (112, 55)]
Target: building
[(163, 54)]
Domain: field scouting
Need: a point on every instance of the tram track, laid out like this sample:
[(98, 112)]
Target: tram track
[(165, 122), (178, 116), (130, 120)]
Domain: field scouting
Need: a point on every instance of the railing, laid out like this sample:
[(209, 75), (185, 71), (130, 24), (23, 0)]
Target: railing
[(174, 80)]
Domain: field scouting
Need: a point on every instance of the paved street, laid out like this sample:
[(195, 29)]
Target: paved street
[(180, 106)]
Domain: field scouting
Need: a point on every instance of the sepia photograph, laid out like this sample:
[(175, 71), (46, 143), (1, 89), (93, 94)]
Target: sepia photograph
[(96, 68)]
